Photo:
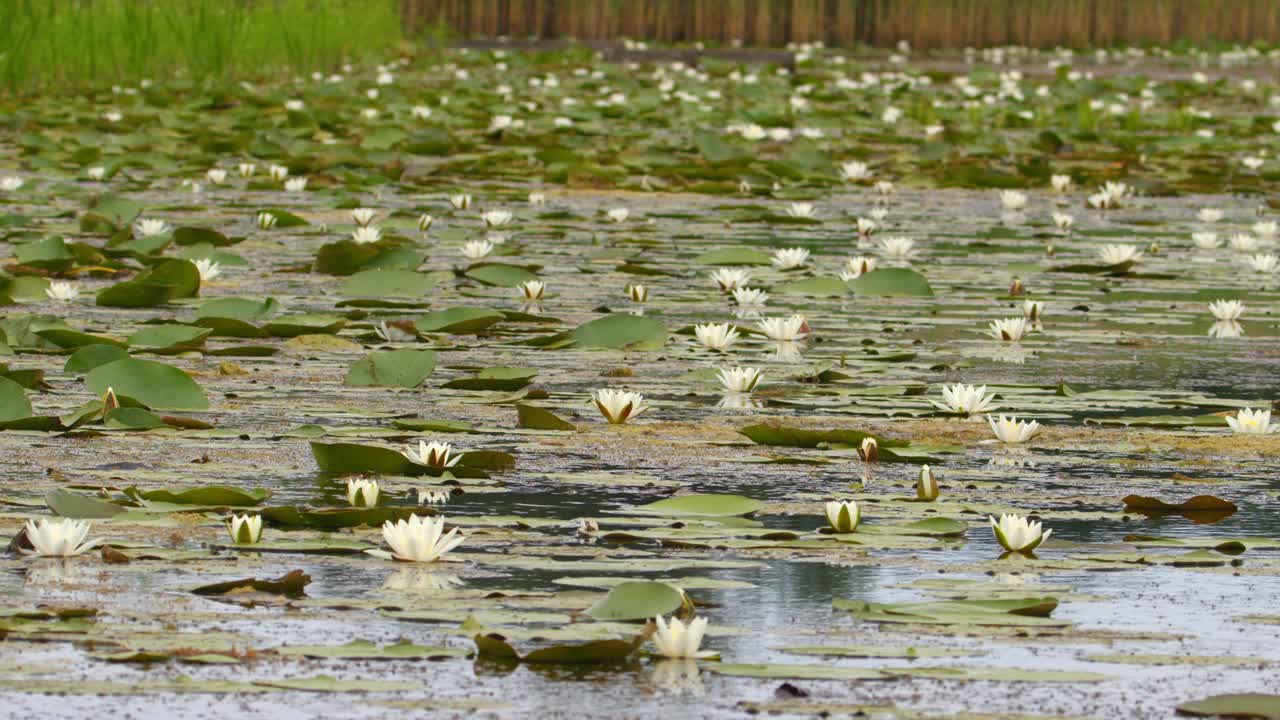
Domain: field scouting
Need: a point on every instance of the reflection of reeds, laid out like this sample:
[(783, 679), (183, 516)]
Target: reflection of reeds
[(74, 43), (924, 23)]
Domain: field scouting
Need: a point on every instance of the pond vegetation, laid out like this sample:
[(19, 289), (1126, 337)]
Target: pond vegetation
[(527, 384)]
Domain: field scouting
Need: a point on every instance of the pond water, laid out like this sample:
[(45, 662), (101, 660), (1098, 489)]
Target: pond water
[(1122, 612)]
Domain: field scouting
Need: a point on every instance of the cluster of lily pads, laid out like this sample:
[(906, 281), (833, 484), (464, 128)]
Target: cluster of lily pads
[(769, 231)]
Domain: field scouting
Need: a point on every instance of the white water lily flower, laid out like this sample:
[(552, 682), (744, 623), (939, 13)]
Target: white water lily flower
[(362, 216), (418, 539), (966, 399), (1268, 229), (1063, 221), (790, 258), (750, 297), (149, 227), (638, 293), (497, 218), (716, 336), (362, 493), (1252, 422), (866, 226), (677, 640), (62, 291), (790, 328), (246, 169), (884, 188), (801, 210), (433, 454), (295, 184), (393, 333), (424, 222), (740, 379), (62, 537), (208, 269), (729, 279), (843, 516), (1009, 329), (927, 485), (11, 183), (618, 406), (1017, 534), (366, 235), (1209, 215), (537, 198), (1263, 263), (278, 172), (245, 529), (898, 247), (1013, 199), (265, 220), (618, 215), (532, 290), (1116, 253), (294, 105), (96, 173), (1205, 240), (1060, 183), (1012, 430), (460, 201), (1243, 242), (853, 171), (1252, 162), (476, 250), (1226, 309), (217, 176), (858, 266)]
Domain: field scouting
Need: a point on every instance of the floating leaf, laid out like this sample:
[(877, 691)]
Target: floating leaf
[(392, 368), (704, 505), (637, 600), (153, 384), (891, 282), (621, 332), (536, 418)]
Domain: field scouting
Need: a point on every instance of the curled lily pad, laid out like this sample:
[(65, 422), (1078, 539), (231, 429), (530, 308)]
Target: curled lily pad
[(637, 600)]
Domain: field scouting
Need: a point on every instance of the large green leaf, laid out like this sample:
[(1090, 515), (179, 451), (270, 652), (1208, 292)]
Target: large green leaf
[(392, 368), (705, 505), (460, 320), (14, 404), (892, 282), (621, 332), (500, 274), (388, 283), (153, 384), (638, 600)]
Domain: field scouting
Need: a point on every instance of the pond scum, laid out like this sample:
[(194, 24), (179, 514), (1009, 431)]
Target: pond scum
[(530, 384)]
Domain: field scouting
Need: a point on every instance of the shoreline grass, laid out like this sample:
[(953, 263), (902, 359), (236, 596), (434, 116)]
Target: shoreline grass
[(86, 44)]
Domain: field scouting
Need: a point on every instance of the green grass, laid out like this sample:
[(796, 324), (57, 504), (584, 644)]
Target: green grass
[(71, 45)]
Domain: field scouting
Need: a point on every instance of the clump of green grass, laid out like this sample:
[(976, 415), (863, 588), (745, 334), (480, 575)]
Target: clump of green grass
[(79, 44)]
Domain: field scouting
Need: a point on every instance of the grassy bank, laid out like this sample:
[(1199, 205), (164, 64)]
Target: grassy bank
[(74, 44)]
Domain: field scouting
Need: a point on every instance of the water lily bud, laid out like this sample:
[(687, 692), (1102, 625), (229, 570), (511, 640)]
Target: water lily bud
[(1016, 288), (927, 486), (869, 451), (109, 401), (844, 516), (362, 493), (245, 529), (266, 221), (424, 222), (638, 293)]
